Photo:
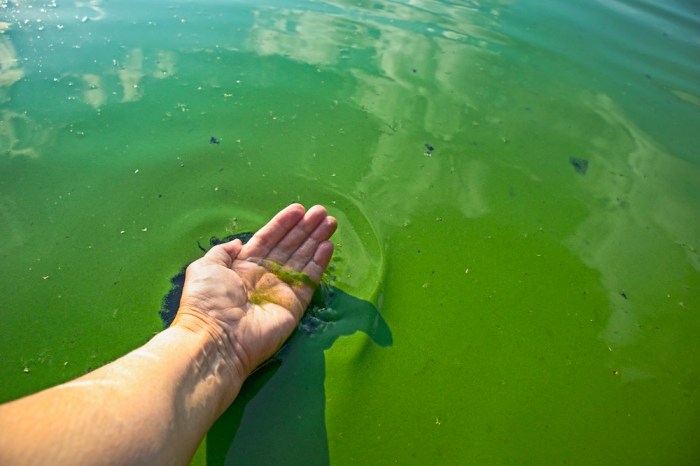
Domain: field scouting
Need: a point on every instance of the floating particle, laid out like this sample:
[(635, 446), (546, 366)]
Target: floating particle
[(213, 140), (580, 165)]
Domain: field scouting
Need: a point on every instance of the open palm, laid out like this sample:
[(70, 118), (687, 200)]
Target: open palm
[(256, 293)]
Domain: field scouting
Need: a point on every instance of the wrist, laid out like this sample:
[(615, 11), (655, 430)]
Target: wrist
[(217, 355)]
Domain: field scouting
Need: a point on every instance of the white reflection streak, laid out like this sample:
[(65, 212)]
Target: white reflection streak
[(393, 92), (10, 72), (18, 132), (311, 40), (94, 95), (647, 216), (165, 65), (93, 5), (412, 62), (130, 76)]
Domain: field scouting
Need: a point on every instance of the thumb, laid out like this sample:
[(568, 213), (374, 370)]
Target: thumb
[(225, 253)]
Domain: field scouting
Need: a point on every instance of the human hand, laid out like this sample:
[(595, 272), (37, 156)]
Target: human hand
[(252, 296)]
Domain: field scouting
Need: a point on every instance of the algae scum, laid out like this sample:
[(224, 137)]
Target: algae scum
[(516, 182)]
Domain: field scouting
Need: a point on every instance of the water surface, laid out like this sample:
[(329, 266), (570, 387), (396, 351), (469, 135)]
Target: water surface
[(530, 312)]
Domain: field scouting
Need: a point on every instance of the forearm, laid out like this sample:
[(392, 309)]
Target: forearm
[(152, 406)]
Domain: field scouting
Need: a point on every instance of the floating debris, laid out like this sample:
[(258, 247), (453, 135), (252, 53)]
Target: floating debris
[(428, 150), (213, 140), (580, 165)]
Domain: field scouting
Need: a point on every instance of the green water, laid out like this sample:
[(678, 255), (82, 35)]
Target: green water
[(495, 305)]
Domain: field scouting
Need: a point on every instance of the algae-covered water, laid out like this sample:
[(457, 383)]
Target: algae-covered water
[(517, 182)]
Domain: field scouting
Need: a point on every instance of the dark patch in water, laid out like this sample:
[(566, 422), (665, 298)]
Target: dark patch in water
[(580, 165)]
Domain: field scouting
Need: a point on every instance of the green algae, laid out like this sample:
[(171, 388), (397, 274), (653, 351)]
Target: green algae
[(288, 275), (259, 297), (535, 329)]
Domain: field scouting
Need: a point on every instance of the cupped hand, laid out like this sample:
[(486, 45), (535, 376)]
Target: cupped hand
[(254, 295)]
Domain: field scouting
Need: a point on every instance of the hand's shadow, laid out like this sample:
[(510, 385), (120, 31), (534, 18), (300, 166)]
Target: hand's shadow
[(278, 417)]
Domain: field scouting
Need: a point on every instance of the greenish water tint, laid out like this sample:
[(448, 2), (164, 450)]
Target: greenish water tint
[(537, 314)]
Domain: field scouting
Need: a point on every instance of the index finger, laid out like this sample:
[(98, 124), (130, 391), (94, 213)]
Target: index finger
[(265, 239)]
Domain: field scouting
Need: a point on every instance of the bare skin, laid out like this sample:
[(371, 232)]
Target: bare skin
[(154, 405)]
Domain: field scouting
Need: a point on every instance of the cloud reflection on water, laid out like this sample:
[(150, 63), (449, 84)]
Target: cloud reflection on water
[(417, 79), (645, 224), (432, 83), (12, 123)]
